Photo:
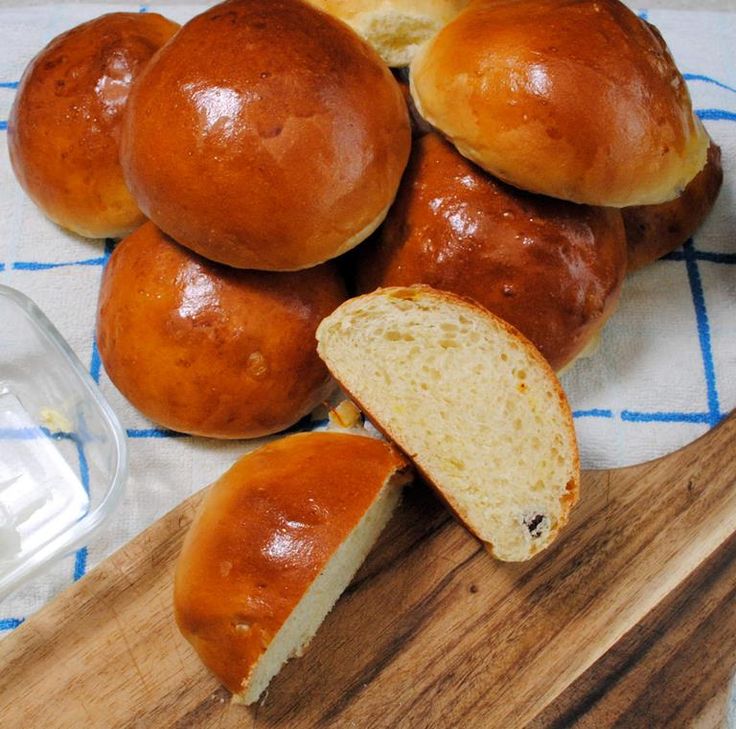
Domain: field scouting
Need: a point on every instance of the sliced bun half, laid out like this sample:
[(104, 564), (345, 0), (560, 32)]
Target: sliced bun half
[(275, 542), (471, 401)]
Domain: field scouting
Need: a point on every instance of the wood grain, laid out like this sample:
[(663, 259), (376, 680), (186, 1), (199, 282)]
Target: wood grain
[(432, 632), (670, 670)]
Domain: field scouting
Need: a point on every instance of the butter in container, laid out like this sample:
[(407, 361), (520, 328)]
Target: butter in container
[(63, 456)]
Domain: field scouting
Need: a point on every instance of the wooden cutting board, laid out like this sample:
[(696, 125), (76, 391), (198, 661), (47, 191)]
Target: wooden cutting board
[(432, 632)]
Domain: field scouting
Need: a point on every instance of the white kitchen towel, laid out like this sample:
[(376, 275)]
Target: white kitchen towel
[(664, 372)]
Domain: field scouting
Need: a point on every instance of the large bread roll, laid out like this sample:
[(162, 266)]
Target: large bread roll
[(654, 230), (395, 28), (577, 100), (551, 268), (209, 350), (64, 127), (275, 542), (470, 401), (266, 135)]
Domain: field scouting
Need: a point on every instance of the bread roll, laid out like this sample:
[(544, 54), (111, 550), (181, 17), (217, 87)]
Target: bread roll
[(577, 100), (64, 127), (654, 230), (275, 542), (285, 136), (395, 28), (551, 268), (418, 125), (470, 401), (209, 350)]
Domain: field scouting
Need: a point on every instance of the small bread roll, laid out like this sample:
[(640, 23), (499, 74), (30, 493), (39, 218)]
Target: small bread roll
[(208, 350), (470, 401), (551, 268), (267, 135), (275, 542), (395, 28), (654, 230), (418, 125), (64, 127), (577, 100)]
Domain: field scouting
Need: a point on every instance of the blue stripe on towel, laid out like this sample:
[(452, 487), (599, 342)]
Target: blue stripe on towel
[(679, 255), (708, 80), (703, 324), (633, 416), (10, 623), (80, 563), (154, 433), (593, 413), (38, 266), (716, 114)]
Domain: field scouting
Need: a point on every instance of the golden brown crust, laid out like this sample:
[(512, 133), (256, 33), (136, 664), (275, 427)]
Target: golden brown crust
[(572, 493), (577, 99), (263, 533), (285, 141), (419, 127), (63, 131), (208, 350), (654, 230), (551, 268)]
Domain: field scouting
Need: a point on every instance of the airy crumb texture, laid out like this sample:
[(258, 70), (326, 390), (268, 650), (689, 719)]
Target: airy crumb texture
[(396, 37), (471, 401), (395, 28)]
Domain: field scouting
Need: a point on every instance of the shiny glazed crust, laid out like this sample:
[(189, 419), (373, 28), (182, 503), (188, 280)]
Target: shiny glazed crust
[(64, 127), (577, 99), (654, 230), (212, 351), (285, 141), (551, 268), (235, 586)]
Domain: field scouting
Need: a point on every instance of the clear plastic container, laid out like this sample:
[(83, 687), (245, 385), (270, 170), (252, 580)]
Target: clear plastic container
[(63, 457)]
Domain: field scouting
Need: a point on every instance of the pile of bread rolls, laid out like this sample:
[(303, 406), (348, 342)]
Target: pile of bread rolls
[(534, 152), (554, 148), (259, 140)]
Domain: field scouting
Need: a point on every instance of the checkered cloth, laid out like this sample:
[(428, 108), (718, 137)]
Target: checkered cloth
[(663, 374)]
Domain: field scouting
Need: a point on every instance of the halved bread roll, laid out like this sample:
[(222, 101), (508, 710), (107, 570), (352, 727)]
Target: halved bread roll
[(275, 542), (395, 28), (471, 401)]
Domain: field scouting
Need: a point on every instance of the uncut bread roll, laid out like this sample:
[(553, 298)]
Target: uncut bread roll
[(275, 542), (473, 404), (204, 349), (654, 230), (577, 100), (419, 127), (286, 136), (64, 127), (395, 28), (551, 268)]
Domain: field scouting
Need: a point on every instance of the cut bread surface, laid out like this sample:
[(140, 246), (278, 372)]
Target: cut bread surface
[(472, 403)]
